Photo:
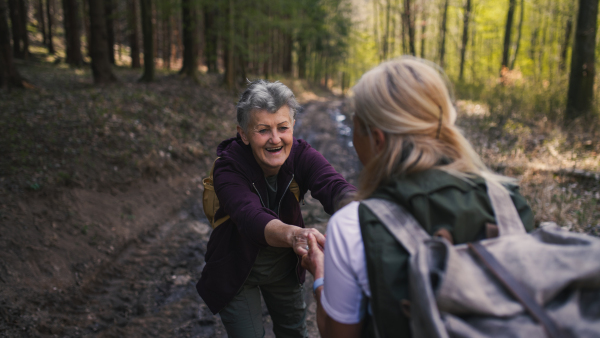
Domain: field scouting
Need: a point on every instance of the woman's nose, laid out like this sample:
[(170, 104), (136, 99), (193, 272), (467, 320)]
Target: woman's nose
[(275, 139)]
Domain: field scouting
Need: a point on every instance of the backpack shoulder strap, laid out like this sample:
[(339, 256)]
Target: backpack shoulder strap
[(295, 189), (507, 216), (400, 223)]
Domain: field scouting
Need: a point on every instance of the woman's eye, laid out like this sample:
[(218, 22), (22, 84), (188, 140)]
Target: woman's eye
[(263, 131), (283, 128)]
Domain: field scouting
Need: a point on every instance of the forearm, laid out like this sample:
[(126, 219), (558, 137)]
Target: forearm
[(321, 314), (279, 234)]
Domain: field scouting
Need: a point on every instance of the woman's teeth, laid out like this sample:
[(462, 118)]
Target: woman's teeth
[(274, 150)]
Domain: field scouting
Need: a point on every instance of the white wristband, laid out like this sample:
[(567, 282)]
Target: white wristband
[(318, 282)]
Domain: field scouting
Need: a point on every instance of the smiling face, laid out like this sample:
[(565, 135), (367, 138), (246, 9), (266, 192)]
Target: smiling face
[(270, 135)]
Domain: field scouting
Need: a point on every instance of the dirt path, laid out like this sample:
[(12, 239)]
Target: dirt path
[(148, 288)]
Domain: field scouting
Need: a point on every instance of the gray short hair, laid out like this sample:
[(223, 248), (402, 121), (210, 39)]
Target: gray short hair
[(265, 95)]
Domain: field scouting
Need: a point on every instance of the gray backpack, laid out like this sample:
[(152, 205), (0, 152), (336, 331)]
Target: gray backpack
[(543, 284)]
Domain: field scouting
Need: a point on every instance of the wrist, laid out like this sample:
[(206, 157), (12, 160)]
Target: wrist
[(318, 283)]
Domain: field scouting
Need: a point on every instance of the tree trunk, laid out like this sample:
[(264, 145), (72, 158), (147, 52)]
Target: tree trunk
[(110, 30), (167, 40), (507, 32), (423, 31), (465, 37), (581, 80), (410, 25), (302, 58), (230, 72), (24, 33), (49, 11), (146, 7), (15, 20), (210, 38), (98, 46), (386, 36), (519, 31), (443, 34), (72, 32), (87, 26), (134, 39), (42, 21), (190, 49), (565, 46), (9, 76)]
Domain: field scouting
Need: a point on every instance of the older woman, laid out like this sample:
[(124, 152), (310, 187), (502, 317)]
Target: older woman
[(415, 156), (256, 250)]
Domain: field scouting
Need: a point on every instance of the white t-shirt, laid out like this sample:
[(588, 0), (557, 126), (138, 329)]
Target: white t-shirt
[(346, 290)]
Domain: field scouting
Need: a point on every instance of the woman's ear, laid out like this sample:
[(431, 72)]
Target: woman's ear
[(379, 138), (243, 135)]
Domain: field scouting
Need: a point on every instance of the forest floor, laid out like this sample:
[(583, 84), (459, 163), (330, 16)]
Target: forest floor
[(102, 231)]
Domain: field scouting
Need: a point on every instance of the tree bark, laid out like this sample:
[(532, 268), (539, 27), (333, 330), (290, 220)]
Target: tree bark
[(49, 12), (507, 32), (565, 46), (386, 36), (465, 37), (443, 34), (519, 31), (110, 30), (423, 31), (210, 38), (24, 33), (167, 41), (98, 46), (15, 20), (9, 75), (581, 80), (72, 33), (146, 9), (134, 39), (230, 72), (41, 21), (410, 25), (190, 43), (302, 58)]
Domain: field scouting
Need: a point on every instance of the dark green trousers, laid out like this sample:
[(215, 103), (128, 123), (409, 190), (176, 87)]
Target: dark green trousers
[(284, 298)]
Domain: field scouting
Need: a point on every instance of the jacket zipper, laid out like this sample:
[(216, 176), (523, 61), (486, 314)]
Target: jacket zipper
[(286, 189), (261, 201)]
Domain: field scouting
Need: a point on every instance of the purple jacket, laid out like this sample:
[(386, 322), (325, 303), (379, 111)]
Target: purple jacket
[(241, 188)]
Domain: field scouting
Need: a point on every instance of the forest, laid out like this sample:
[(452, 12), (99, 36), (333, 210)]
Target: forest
[(111, 112)]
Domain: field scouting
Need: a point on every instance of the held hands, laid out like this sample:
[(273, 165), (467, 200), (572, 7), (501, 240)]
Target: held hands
[(314, 260), (300, 240)]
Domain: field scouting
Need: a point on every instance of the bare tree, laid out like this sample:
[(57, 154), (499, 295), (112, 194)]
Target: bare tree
[(72, 26), (98, 46), (147, 32), (410, 25), (567, 40), (110, 29), (581, 80), (134, 39), (190, 40), (507, 32), (41, 21), (49, 12), (519, 31), (443, 34), (210, 37), (9, 75), (465, 37)]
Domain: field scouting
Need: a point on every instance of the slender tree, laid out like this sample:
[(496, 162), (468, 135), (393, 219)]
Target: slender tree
[(443, 29), (49, 12), (147, 32), (15, 20), (423, 29), (110, 29), (72, 26), (190, 43), (410, 26), (230, 71), (134, 39), (210, 37), (99, 53), (23, 30), (565, 45), (581, 80), (9, 75), (507, 32), (41, 21), (465, 37), (386, 36), (519, 31)]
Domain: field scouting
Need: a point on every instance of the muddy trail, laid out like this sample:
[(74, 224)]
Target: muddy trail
[(148, 288)]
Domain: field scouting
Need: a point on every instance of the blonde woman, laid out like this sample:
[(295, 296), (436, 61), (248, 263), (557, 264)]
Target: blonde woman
[(414, 155)]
